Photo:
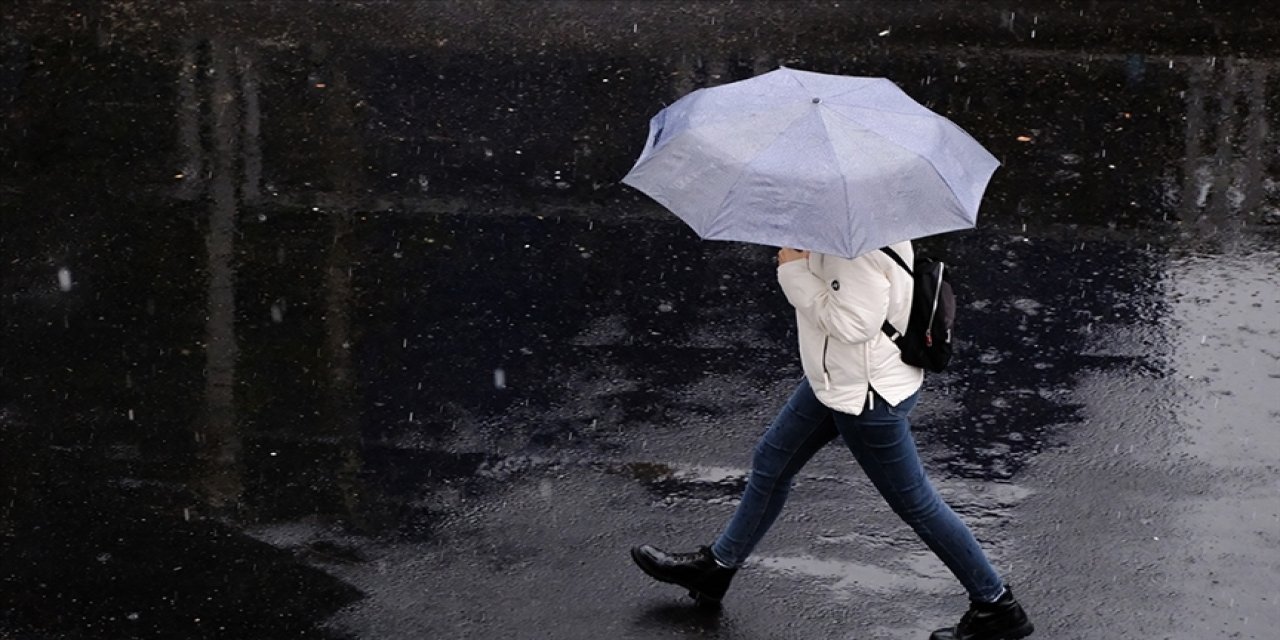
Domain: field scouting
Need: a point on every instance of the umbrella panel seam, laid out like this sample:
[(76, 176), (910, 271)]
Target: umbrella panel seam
[(950, 186), (847, 240), (720, 209), (864, 87)]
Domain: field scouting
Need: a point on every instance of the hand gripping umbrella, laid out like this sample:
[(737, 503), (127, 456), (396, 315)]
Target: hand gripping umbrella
[(840, 165)]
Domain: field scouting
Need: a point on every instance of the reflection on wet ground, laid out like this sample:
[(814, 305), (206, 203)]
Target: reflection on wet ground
[(327, 336)]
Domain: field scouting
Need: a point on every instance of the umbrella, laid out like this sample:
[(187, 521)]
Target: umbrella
[(840, 165)]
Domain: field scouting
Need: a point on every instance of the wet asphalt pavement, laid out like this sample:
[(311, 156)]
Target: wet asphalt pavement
[(331, 320)]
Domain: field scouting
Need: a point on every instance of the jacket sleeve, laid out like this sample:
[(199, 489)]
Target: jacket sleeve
[(851, 308)]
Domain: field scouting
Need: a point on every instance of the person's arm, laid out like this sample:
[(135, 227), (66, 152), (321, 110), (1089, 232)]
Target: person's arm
[(851, 311)]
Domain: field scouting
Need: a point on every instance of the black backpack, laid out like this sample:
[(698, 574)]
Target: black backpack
[(927, 340)]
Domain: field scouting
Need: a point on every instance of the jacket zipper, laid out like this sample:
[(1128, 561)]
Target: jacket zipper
[(826, 375), (871, 394), (937, 293)]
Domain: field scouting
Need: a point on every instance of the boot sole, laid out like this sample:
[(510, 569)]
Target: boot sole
[(1015, 634), (1021, 632), (698, 597)]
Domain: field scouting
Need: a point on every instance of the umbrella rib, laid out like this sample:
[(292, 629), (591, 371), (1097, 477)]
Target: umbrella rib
[(835, 156), (853, 90), (933, 166), (952, 191), (862, 125), (796, 79), (926, 114), (720, 209)]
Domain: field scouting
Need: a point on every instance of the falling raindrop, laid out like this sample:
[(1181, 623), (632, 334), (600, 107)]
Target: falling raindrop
[(499, 379), (277, 310), (64, 279)]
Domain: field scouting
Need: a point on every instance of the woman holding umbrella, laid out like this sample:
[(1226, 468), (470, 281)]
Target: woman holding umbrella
[(857, 388), (840, 166)]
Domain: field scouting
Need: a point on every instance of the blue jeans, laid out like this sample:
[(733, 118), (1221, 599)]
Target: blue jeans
[(881, 441)]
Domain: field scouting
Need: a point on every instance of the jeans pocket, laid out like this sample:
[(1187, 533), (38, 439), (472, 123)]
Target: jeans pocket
[(902, 409)]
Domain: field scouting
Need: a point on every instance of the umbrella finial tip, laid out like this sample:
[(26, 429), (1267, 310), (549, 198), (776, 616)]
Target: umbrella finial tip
[(817, 100)]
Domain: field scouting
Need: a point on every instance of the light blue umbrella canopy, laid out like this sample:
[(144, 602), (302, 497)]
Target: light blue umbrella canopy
[(840, 165)]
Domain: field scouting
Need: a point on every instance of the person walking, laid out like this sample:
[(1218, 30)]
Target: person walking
[(855, 387)]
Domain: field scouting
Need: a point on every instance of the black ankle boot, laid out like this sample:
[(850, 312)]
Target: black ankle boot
[(1003, 619), (697, 571)]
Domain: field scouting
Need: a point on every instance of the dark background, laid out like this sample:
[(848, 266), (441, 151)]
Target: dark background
[(331, 319)]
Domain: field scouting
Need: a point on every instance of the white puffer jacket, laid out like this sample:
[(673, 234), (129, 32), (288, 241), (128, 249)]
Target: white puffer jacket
[(840, 307)]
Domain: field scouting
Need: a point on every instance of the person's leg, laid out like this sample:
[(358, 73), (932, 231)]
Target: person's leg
[(801, 428), (881, 441)]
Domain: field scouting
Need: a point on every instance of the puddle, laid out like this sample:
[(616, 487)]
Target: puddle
[(693, 482), (917, 572)]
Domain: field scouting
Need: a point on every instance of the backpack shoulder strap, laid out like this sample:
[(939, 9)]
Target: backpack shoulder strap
[(898, 259), (887, 328), (891, 331)]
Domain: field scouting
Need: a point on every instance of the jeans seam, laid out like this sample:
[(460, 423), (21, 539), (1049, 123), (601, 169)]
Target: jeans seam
[(971, 576), (929, 531), (755, 524)]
